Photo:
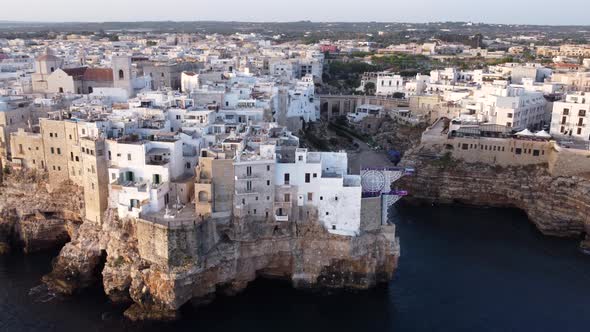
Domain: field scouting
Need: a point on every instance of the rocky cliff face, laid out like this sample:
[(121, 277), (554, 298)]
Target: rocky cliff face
[(306, 254), (558, 206), (34, 216)]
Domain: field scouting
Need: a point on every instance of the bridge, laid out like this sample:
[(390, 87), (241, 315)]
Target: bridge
[(332, 106)]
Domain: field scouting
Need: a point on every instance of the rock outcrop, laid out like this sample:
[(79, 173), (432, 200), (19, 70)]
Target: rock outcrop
[(558, 206), (34, 216), (161, 267)]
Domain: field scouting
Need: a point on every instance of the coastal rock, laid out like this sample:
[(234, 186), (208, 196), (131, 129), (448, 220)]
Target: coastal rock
[(34, 217), (558, 206), (306, 254)]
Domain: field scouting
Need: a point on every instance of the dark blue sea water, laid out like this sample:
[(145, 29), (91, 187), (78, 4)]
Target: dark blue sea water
[(462, 269)]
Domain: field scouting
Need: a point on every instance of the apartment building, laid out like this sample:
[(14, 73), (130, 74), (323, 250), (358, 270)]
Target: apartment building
[(571, 117)]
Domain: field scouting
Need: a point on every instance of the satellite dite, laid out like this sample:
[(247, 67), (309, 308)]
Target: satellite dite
[(377, 181)]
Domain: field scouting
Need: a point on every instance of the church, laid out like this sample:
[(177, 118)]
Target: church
[(51, 77)]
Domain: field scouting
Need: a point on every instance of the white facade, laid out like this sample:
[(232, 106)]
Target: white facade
[(322, 181), (570, 118), (189, 82), (388, 84)]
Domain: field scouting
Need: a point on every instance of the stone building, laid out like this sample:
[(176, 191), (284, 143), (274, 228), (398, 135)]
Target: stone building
[(167, 75), (27, 149), (45, 65), (81, 80)]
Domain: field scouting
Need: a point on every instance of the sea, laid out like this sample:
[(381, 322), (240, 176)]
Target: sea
[(461, 269)]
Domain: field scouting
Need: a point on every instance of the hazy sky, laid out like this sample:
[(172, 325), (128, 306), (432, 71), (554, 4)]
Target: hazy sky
[(488, 11)]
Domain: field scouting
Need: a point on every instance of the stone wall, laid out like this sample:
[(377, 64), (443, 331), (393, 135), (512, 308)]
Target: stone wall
[(370, 213), (557, 205)]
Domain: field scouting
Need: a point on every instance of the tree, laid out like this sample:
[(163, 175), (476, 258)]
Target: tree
[(398, 95), (370, 88)]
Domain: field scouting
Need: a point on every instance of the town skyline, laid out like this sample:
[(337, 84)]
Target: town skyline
[(526, 12)]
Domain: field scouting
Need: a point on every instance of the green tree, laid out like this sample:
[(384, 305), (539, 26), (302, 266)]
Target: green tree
[(370, 88)]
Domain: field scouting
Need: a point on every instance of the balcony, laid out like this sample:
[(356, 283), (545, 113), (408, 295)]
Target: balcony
[(246, 192), (252, 176), (282, 218)]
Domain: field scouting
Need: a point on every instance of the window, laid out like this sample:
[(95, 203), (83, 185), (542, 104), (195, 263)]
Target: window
[(327, 213), (465, 146), (268, 182), (20, 148), (249, 171), (321, 198), (510, 115), (581, 113), (535, 153), (129, 156), (52, 151), (315, 175), (310, 197), (50, 134), (334, 227), (307, 177), (579, 131), (249, 185), (287, 178), (518, 151), (268, 168), (336, 198), (566, 111), (121, 74), (77, 158), (287, 198)]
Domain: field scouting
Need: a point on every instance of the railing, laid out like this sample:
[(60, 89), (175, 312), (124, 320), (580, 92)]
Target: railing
[(281, 218)]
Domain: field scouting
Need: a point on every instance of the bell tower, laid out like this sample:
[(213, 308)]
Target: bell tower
[(122, 73)]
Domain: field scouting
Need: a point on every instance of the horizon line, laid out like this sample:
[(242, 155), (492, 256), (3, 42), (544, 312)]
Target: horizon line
[(283, 22)]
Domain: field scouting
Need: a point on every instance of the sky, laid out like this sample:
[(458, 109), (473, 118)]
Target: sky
[(546, 12)]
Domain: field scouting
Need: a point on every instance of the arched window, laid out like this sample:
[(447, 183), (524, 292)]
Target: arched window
[(121, 74)]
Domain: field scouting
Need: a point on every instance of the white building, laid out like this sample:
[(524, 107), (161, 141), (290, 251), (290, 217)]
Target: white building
[(189, 82), (509, 106), (388, 84), (321, 181), (570, 118)]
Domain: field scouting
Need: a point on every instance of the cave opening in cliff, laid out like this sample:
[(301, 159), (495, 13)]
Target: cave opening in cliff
[(97, 273)]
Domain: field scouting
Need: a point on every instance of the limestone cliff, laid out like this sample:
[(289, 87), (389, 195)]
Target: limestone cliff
[(34, 216), (558, 206), (161, 267)]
